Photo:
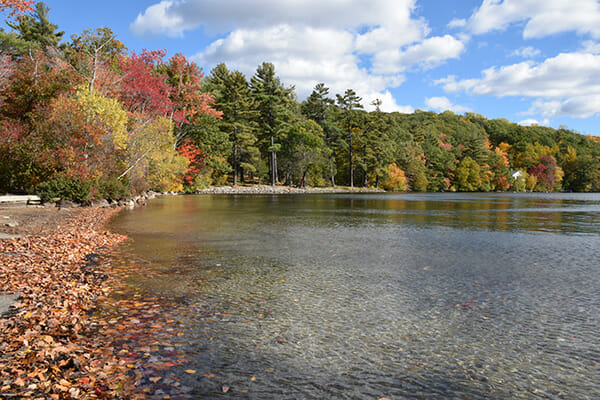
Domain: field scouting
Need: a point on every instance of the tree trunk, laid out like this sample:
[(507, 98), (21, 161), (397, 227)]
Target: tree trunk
[(272, 161), (235, 156)]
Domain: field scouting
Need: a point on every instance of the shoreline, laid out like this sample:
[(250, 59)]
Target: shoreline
[(268, 189), (47, 349)]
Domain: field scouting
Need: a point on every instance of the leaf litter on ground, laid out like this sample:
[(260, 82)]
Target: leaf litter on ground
[(58, 344)]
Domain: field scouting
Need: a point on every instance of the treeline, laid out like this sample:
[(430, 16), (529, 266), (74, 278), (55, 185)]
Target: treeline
[(88, 119)]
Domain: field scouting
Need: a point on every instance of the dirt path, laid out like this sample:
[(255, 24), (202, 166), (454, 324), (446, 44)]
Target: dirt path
[(20, 220)]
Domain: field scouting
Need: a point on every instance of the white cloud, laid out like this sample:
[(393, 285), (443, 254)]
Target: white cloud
[(427, 54), (444, 104), (157, 20), (388, 103), (577, 107), (310, 41), (457, 23), (217, 16), (534, 122), (526, 52), (590, 46), (304, 57), (541, 17), (569, 84)]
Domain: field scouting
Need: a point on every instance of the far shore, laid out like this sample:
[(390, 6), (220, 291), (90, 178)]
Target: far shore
[(268, 189)]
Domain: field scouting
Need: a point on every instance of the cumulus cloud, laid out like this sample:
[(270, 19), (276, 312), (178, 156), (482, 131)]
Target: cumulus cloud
[(541, 17), (526, 52), (176, 16), (534, 122), (306, 44), (304, 56), (427, 54), (569, 84), (444, 104), (457, 23)]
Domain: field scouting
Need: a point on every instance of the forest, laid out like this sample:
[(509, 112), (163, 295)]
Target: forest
[(86, 118)]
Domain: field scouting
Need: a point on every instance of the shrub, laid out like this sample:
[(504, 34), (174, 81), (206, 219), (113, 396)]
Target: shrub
[(112, 189), (65, 188)]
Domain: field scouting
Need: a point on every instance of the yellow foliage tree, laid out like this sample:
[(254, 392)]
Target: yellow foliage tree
[(153, 162), (106, 114), (396, 179)]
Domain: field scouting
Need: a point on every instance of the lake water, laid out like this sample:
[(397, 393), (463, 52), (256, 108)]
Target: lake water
[(404, 296)]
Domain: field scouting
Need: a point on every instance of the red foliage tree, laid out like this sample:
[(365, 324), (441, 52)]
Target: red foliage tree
[(545, 172), (36, 80), (144, 90), (188, 100), (197, 160)]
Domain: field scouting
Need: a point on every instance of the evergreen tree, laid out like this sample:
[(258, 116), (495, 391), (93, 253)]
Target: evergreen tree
[(31, 32), (378, 147), (273, 106), (317, 107), (233, 98), (349, 102), (302, 149)]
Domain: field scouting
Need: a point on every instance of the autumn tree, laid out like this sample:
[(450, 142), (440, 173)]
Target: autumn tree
[(548, 174), (395, 179), (36, 79), (6, 70), (94, 56), (188, 100), (16, 7)]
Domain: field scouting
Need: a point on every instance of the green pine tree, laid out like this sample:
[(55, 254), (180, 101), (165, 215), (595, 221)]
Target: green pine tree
[(30, 33), (273, 103), (349, 102), (233, 98)]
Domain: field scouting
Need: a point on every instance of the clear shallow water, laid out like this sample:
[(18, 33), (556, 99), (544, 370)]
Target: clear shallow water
[(369, 296)]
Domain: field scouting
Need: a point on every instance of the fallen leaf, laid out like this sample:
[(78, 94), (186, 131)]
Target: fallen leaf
[(190, 371), (155, 379)]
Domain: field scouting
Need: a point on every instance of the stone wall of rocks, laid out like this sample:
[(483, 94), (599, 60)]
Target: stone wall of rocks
[(264, 189)]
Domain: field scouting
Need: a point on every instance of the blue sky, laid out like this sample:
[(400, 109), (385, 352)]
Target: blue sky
[(529, 61)]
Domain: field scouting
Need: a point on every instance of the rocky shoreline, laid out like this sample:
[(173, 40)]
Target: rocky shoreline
[(266, 189)]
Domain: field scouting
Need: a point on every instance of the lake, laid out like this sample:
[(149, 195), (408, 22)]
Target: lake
[(363, 296)]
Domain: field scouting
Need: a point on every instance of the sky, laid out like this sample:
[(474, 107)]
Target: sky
[(529, 61)]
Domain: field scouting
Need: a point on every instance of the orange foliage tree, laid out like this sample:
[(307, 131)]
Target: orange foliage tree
[(396, 179), (16, 6)]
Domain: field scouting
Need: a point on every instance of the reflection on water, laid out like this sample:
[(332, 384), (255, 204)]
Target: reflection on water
[(369, 296)]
